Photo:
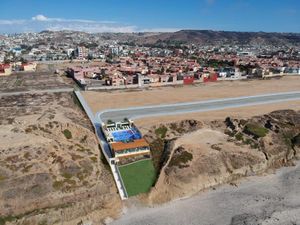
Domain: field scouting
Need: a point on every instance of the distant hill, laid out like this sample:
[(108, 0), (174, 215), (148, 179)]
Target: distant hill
[(225, 37), (200, 37)]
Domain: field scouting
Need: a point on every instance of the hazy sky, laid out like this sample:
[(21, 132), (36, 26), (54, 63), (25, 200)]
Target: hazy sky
[(149, 15)]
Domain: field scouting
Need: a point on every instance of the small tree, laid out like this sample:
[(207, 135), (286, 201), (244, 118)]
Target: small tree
[(110, 121)]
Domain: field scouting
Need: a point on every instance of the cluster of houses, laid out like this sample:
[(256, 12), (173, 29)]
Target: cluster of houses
[(163, 71), (124, 63), (9, 68)]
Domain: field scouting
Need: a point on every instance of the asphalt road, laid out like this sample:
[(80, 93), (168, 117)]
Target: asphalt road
[(104, 146), (201, 106)]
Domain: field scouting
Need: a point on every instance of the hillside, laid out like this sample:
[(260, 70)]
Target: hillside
[(199, 37), (195, 155), (50, 164), (206, 37)]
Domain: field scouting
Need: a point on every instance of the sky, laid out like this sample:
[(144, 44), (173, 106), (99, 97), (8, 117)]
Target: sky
[(149, 15)]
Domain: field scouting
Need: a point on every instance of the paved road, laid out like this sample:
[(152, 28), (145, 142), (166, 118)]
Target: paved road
[(36, 91), (104, 146), (201, 106)]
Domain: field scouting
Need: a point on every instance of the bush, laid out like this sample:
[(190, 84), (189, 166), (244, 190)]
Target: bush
[(157, 149), (110, 122), (67, 134), (180, 158), (248, 141), (57, 185), (161, 131), (229, 123), (67, 175), (239, 136), (94, 159), (296, 140), (256, 130), (2, 177)]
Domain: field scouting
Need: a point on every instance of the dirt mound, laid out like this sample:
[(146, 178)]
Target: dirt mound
[(207, 154)]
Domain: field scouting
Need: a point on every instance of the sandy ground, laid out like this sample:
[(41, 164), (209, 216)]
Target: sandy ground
[(268, 200), (122, 99)]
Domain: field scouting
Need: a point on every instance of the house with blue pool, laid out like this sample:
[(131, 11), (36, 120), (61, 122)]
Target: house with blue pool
[(125, 140)]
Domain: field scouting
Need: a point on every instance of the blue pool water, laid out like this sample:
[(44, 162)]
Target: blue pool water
[(126, 135)]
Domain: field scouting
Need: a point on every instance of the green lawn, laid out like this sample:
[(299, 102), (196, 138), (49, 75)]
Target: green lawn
[(138, 177)]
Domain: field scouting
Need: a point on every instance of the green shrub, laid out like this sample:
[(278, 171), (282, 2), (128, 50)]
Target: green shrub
[(67, 134), (110, 122), (296, 140), (94, 158), (173, 126), (161, 131), (254, 145), (3, 220), (247, 141), (180, 159), (239, 136), (157, 149), (67, 175), (2, 177), (58, 185), (27, 155), (256, 130)]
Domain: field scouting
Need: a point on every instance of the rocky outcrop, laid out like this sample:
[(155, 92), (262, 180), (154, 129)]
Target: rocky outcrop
[(222, 151)]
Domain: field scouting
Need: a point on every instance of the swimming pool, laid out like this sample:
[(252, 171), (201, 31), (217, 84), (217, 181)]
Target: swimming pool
[(126, 135)]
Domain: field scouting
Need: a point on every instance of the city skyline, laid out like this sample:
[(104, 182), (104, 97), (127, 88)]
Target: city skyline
[(137, 16)]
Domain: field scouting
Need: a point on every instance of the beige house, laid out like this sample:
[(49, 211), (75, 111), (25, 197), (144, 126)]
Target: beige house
[(29, 67), (5, 69)]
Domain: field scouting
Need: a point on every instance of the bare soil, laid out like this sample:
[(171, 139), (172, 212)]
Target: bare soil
[(51, 169), (25, 81)]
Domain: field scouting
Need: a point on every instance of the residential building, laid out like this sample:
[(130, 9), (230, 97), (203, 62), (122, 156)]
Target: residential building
[(81, 52), (28, 67), (5, 69), (125, 140)]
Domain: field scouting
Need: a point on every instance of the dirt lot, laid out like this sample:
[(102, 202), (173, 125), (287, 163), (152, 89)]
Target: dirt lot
[(121, 99), (63, 65), (33, 81)]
